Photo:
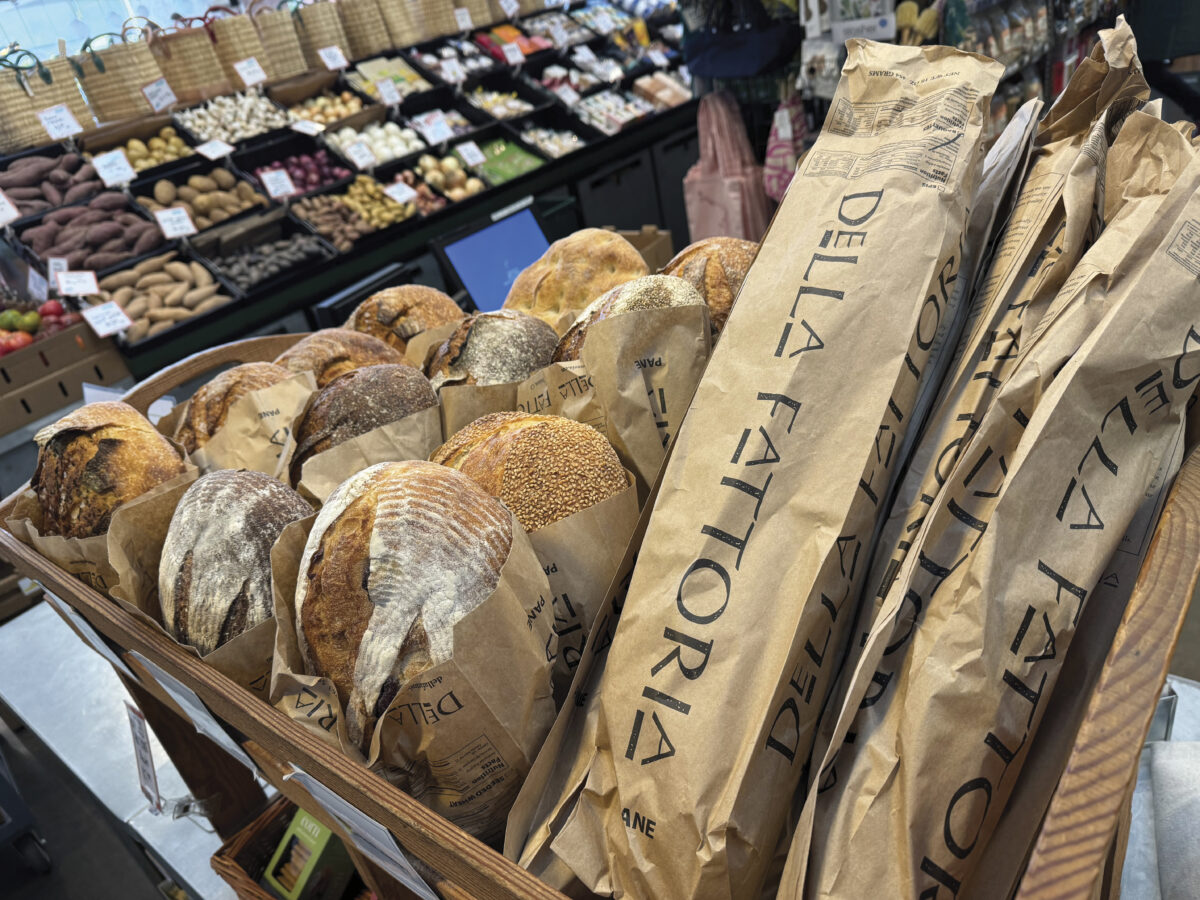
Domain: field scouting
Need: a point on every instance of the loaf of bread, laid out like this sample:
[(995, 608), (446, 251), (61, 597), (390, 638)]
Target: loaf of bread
[(93, 460), (214, 580), (715, 267), (493, 348), (651, 292), (335, 351), (355, 403), (396, 314), (398, 554), (544, 468), (572, 273), (209, 407)]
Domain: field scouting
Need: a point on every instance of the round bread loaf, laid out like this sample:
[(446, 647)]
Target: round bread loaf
[(397, 556), (93, 460), (214, 581), (715, 267), (397, 314), (493, 348), (651, 292), (573, 272), (209, 407), (357, 402), (544, 468), (335, 351)]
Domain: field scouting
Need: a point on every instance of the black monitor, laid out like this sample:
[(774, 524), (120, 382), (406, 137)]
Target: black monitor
[(486, 258)]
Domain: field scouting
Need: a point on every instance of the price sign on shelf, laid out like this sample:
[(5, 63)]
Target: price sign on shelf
[(583, 54), (388, 94), (360, 154), (307, 126), (333, 57), (658, 58), (250, 71), (452, 71), (82, 283), (144, 757), (54, 265), (559, 35), (59, 122), (510, 7), (38, 288), (567, 94), (159, 95), (400, 192), (175, 222), (8, 210), (471, 154), (512, 54), (113, 168), (215, 149), (604, 24), (434, 127), (463, 18), (277, 183)]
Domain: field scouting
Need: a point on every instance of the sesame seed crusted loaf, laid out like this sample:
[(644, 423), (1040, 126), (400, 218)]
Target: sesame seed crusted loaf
[(493, 348), (357, 402), (214, 581), (715, 267), (93, 460), (209, 407), (651, 292), (544, 468), (397, 556), (335, 351), (573, 272), (396, 314)]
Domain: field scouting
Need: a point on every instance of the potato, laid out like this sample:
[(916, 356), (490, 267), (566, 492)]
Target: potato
[(187, 192), (196, 296), (224, 178), (137, 331), (180, 271), (202, 183), (175, 297), (122, 296), (200, 276), (119, 280), (153, 278), (165, 313), (137, 308)]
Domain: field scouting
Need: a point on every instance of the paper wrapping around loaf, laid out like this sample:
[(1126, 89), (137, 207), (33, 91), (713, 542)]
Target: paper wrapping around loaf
[(207, 410), (493, 348), (397, 556), (335, 351), (544, 468), (573, 272), (93, 460), (214, 579), (650, 292), (396, 314), (715, 267)]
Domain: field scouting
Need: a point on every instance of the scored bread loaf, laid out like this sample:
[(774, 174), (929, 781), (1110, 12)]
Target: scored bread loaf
[(544, 468), (214, 580), (715, 267), (573, 272), (331, 352), (651, 292), (493, 348), (355, 403), (398, 554), (95, 459), (397, 314), (209, 407)]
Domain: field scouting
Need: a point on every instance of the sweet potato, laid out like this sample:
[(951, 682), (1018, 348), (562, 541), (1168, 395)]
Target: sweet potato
[(119, 280), (59, 178), (52, 194), (86, 173), (175, 297), (24, 193), (63, 216), (113, 246), (171, 313), (97, 261), (160, 327), (76, 258), (29, 207), (67, 241), (147, 241), (80, 191), (109, 200), (70, 162), (135, 309), (199, 295), (122, 297), (211, 303), (137, 330), (104, 231), (41, 238), (32, 160)]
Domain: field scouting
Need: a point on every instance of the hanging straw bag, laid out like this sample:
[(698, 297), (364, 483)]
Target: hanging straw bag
[(405, 25), (27, 86), (115, 75), (365, 28), (236, 39), (187, 55), (320, 26), (65, 89), (277, 31)]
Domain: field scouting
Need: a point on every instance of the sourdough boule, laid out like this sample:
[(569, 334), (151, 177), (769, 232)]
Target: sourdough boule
[(209, 407), (715, 267), (335, 351), (397, 314), (493, 348)]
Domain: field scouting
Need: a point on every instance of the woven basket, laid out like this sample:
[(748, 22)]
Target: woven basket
[(403, 26), (28, 86), (113, 77), (281, 44), (64, 71), (243, 858), (365, 28), (188, 59), (236, 39), (320, 26), (437, 16)]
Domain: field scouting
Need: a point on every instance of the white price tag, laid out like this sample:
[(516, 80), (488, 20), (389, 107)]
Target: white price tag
[(54, 265), (453, 71), (333, 57), (584, 54), (471, 154), (388, 95), (463, 18), (175, 222), (658, 58), (277, 183), (250, 71), (559, 35), (144, 757), (360, 154), (113, 168), (307, 126), (434, 127), (783, 124), (512, 54), (159, 95), (106, 319), (567, 94), (215, 149), (510, 7), (400, 192), (38, 288), (604, 24), (8, 210), (59, 122), (82, 284)]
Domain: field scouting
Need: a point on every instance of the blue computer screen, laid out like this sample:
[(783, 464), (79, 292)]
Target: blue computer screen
[(489, 261)]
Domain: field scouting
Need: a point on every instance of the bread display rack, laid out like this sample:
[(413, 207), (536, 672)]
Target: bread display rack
[(1074, 855)]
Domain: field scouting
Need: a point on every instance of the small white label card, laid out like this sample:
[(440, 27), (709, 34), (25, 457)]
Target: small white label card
[(54, 265), (434, 127), (604, 24), (512, 54), (463, 18), (159, 95), (307, 126), (113, 167), (38, 288), (453, 71), (583, 54), (783, 124), (559, 35), (400, 192), (277, 183), (360, 154), (471, 154), (144, 757), (510, 7), (567, 94), (106, 319), (8, 210), (250, 71), (59, 122), (81, 283), (175, 222), (388, 95), (333, 57), (215, 149), (658, 58)]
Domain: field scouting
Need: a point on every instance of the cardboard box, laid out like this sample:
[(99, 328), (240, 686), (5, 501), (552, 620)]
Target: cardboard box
[(45, 357), (652, 242), (24, 405)]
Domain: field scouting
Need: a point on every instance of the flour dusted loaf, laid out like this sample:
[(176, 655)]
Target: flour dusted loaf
[(335, 351), (572, 273), (209, 407), (715, 267), (544, 468), (651, 292), (95, 459), (398, 554), (397, 314), (214, 580), (493, 348), (357, 402)]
